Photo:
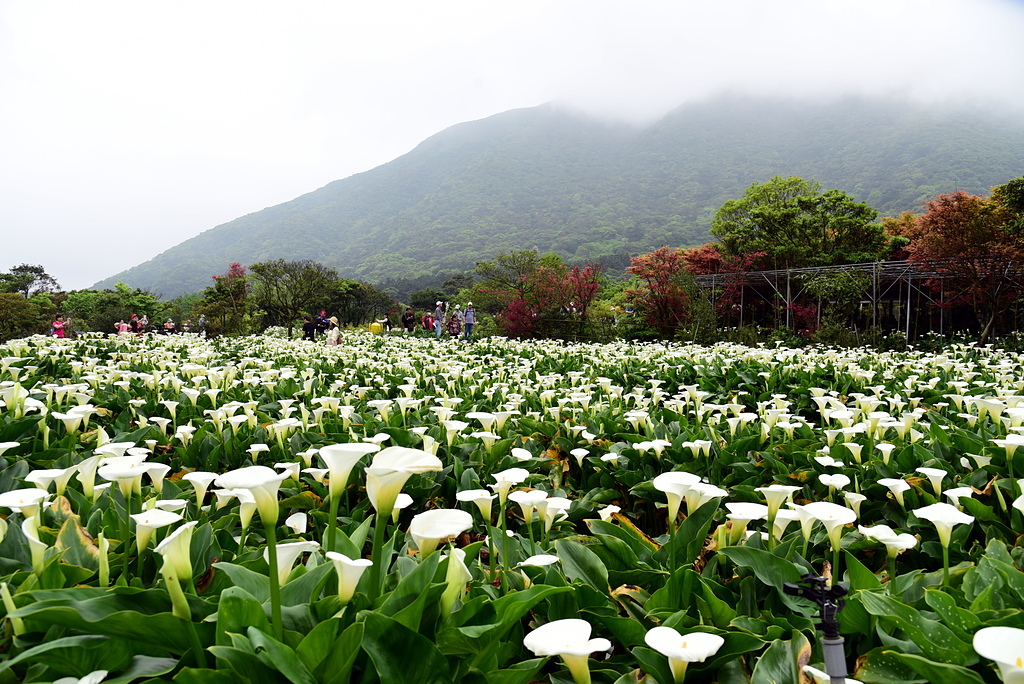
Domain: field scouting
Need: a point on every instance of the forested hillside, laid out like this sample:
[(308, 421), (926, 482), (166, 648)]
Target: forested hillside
[(553, 180)]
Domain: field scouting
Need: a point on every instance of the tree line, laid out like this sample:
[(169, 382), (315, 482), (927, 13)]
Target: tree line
[(972, 247)]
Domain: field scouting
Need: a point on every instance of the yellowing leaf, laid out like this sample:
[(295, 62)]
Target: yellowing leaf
[(79, 548)]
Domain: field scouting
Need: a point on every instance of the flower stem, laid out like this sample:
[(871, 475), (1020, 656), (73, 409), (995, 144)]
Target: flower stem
[(275, 588), (529, 529), (241, 541), (673, 599), (504, 546), (125, 533), (332, 521), (376, 578), (945, 565), (892, 572), (490, 551), (999, 495), (198, 653)]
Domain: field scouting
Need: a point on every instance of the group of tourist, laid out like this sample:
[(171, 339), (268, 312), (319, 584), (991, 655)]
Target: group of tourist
[(321, 325), (456, 322), (139, 325), (135, 325)]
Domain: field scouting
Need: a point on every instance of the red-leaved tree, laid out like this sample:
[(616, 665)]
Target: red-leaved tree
[(706, 259), (664, 300), (978, 255), (553, 302)]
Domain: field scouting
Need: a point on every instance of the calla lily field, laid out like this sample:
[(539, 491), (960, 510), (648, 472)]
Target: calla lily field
[(406, 509)]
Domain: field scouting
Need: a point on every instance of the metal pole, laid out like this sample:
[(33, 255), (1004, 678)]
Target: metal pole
[(874, 296), (909, 292), (788, 302)]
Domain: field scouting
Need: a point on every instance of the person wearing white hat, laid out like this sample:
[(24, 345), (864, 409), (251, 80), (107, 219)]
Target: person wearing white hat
[(439, 318), (470, 320), (455, 322)]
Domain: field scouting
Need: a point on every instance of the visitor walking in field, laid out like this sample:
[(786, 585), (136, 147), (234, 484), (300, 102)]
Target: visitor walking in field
[(438, 318), (469, 318)]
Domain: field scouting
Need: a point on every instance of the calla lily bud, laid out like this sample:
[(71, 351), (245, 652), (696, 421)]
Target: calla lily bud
[(24, 501), (945, 517), (1004, 645), (506, 479), (481, 497), (456, 578), (17, 624), (176, 550), (674, 485), (36, 546)]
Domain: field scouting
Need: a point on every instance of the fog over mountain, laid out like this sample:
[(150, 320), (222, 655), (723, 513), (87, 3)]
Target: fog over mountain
[(127, 127)]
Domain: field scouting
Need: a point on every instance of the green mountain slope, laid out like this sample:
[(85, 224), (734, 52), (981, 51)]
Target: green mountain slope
[(553, 180)]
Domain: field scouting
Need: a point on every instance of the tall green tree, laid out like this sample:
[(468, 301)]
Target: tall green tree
[(459, 281), (794, 224), (505, 277), (99, 310), (16, 316), (28, 279), (285, 290), (225, 304), (355, 303), (369, 303), (1010, 196), (425, 299)]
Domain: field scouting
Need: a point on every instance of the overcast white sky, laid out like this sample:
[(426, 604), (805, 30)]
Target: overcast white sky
[(129, 126)]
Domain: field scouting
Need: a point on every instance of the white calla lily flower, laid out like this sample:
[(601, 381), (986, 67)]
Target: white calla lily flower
[(427, 529), (683, 649), (570, 640)]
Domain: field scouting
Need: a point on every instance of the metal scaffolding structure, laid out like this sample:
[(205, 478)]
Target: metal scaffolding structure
[(895, 285)]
